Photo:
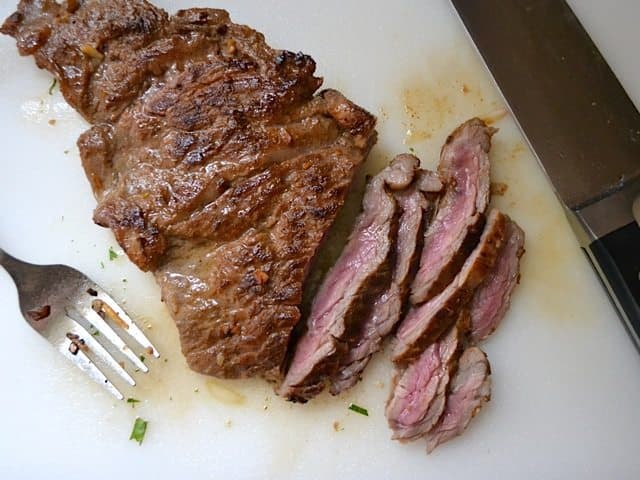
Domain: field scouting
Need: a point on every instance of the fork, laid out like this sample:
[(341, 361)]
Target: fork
[(74, 313)]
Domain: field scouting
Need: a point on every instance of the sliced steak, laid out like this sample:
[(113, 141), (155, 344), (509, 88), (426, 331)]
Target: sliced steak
[(469, 390), (417, 204), (212, 160), (418, 395), (350, 288), (464, 166), (491, 300), (425, 323)]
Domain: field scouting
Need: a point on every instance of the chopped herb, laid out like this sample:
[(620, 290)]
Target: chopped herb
[(142, 359), (358, 409), (96, 333), (112, 254), (412, 150), (102, 265), (133, 401), (52, 86), (139, 429), (124, 280)]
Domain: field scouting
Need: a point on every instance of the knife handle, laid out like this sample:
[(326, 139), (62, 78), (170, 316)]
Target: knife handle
[(616, 258)]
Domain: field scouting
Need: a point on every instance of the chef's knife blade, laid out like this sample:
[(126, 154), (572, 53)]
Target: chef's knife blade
[(580, 123)]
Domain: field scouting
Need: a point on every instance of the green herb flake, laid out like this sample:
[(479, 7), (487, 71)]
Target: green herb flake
[(133, 401), (142, 358), (412, 150), (112, 254), (52, 86), (102, 265), (139, 429), (358, 409), (96, 333)]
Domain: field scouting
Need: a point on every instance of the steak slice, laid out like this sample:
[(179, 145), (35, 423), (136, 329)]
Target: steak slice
[(491, 300), (212, 161), (425, 323), (464, 166), (418, 395), (349, 289), (417, 204), (469, 390)]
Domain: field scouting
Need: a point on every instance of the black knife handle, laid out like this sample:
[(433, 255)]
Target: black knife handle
[(616, 257)]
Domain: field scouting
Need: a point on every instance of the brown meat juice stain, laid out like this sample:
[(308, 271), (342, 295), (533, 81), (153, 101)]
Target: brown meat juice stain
[(171, 389), (553, 268)]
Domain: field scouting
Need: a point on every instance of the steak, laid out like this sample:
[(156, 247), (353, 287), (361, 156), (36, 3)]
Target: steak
[(464, 166), (425, 323), (212, 159), (417, 204), (349, 289), (469, 390), (491, 300), (418, 395)]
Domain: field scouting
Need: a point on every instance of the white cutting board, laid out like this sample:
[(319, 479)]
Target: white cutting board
[(566, 377)]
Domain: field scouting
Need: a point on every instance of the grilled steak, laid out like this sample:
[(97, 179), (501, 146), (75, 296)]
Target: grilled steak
[(469, 390), (464, 166), (417, 204), (349, 289), (212, 161), (425, 323), (491, 300), (418, 395)]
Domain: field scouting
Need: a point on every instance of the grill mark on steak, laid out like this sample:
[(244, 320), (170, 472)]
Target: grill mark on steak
[(212, 161), (464, 166), (418, 394), (469, 390), (349, 289), (417, 204), (425, 323), (492, 298)]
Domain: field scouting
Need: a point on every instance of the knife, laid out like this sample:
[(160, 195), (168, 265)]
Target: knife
[(580, 124)]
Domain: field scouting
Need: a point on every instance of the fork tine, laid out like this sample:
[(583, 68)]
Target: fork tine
[(90, 315), (84, 363), (96, 347), (132, 329)]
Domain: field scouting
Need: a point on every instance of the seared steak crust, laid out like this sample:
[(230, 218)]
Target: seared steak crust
[(211, 159)]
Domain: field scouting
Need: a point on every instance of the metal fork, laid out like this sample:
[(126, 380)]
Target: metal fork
[(73, 313)]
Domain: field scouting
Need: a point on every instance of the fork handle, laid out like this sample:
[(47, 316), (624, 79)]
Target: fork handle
[(10, 264)]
